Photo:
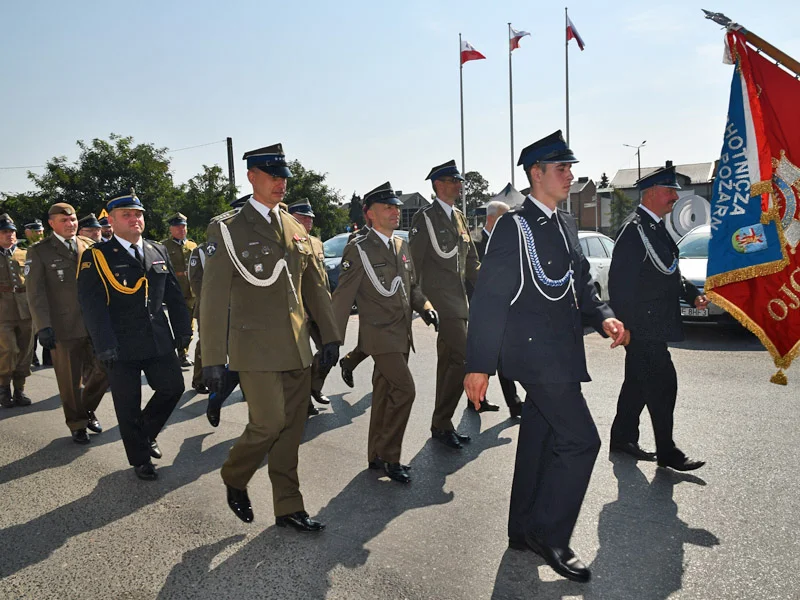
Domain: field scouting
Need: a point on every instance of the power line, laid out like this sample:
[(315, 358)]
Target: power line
[(30, 167)]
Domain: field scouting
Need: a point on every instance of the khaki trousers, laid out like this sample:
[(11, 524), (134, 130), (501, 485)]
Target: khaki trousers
[(72, 361), (278, 407), (451, 348), (16, 352), (318, 374), (393, 394)]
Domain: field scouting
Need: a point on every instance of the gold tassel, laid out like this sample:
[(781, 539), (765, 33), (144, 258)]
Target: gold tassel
[(779, 378)]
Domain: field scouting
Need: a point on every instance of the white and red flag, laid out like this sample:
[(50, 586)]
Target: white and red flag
[(515, 36), (468, 52), (572, 34)]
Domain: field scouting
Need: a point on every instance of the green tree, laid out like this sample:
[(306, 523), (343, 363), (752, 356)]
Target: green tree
[(203, 197), (603, 181), (326, 202), (621, 206), (356, 214), (476, 189)]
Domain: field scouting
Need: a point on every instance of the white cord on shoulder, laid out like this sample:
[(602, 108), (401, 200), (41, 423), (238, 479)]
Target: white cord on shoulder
[(397, 282), (434, 241), (526, 246), (653, 255), (249, 277)]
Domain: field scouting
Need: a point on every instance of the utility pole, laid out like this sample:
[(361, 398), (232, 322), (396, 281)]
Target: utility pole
[(231, 174), (638, 162)]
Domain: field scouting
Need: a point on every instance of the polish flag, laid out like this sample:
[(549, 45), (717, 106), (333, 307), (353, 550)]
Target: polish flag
[(515, 37), (572, 34), (469, 53)]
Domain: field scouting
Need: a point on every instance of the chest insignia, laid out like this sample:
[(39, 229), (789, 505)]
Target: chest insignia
[(211, 249), (258, 268)]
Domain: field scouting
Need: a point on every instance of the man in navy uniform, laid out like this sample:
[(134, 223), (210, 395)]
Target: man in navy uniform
[(123, 285), (107, 231), (528, 311), (645, 285)]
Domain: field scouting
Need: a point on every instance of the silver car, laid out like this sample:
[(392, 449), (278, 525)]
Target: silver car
[(693, 263), (598, 248)]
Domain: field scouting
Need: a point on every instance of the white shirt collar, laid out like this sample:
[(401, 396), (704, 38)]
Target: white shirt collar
[(64, 240), (384, 239), (543, 207), (447, 208), (127, 245), (656, 218), (264, 210), (487, 232)]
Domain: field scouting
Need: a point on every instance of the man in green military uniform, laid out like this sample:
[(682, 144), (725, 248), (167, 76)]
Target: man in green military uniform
[(90, 227), (16, 328), (34, 232), (377, 272), (302, 211), (445, 257), (179, 248), (260, 274)]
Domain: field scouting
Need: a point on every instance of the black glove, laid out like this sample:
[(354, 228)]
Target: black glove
[(47, 338), (214, 378), (330, 355), (182, 342), (431, 317), (108, 358)]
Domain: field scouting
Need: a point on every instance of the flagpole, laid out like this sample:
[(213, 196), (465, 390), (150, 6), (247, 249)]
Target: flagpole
[(511, 105), (461, 95), (566, 64)]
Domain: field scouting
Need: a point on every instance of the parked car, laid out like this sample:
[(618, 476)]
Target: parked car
[(597, 248), (334, 248), (693, 263)]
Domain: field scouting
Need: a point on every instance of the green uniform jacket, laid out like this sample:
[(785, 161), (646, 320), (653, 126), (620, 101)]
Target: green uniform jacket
[(384, 324), (179, 257), (266, 329), (442, 279), (197, 263), (13, 301)]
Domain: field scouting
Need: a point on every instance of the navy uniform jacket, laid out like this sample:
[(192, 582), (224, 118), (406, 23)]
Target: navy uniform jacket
[(480, 245), (138, 328), (536, 340), (644, 298)]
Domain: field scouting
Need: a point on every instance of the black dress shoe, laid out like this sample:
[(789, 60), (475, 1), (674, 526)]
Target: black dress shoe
[(186, 361), (300, 521), (347, 374), (396, 472), (146, 471), (634, 449), (320, 398), (515, 408), (239, 502), (462, 437), (79, 436), (212, 409), (312, 410), (20, 398), (448, 438), (155, 451), (93, 424), (486, 406), (680, 462), (562, 560), (6, 401), (200, 388)]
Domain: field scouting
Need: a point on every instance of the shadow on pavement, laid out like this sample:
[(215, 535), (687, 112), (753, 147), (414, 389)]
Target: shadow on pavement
[(728, 338), (335, 415), (51, 403)]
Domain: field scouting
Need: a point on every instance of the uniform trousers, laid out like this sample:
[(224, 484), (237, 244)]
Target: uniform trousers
[(393, 394), (354, 358), (74, 360), (509, 389), (558, 444), (136, 426), (650, 380), (16, 352), (451, 348), (318, 374), (278, 407)]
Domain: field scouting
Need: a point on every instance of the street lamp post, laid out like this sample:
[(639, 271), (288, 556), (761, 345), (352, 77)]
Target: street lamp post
[(638, 161)]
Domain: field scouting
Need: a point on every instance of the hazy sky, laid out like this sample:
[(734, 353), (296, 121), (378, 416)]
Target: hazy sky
[(368, 91)]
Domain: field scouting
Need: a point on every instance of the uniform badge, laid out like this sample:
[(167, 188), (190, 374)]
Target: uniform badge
[(414, 231), (211, 249), (345, 265), (60, 274), (264, 250), (26, 270), (653, 226), (86, 265), (258, 267), (245, 253), (193, 262)]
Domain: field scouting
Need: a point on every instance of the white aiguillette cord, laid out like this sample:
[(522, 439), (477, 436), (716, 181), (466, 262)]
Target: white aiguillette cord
[(435, 243), (397, 282), (249, 277)]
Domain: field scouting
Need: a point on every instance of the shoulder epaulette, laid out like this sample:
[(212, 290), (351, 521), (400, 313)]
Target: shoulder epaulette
[(226, 215), (88, 240), (41, 241)]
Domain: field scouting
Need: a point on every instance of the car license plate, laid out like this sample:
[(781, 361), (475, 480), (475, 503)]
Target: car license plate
[(694, 312)]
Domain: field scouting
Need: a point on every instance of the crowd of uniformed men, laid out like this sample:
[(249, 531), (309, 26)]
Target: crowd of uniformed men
[(514, 303)]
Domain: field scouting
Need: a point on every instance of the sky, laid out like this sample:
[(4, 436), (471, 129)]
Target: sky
[(368, 91)]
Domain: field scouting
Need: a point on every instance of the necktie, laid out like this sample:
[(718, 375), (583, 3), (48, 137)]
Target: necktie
[(391, 246), (137, 255), (275, 221), (71, 246)]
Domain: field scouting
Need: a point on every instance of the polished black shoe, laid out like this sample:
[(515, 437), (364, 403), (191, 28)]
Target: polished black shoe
[(79, 436), (20, 398), (93, 424), (462, 437), (680, 462), (312, 410), (516, 408), (347, 374), (146, 471), (634, 449), (320, 398), (396, 472), (562, 560), (186, 361), (6, 401), (377, 463), (212, 410), (155, 451), (448, 438), (239, 502), (486, 406), (299, 520), (200, 388)]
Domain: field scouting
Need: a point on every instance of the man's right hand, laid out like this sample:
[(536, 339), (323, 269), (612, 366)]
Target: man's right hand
[(47, 338), (108, 358), (214, 378), (475, 385)]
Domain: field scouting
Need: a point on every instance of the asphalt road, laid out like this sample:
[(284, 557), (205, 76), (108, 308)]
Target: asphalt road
[(76, 523)]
